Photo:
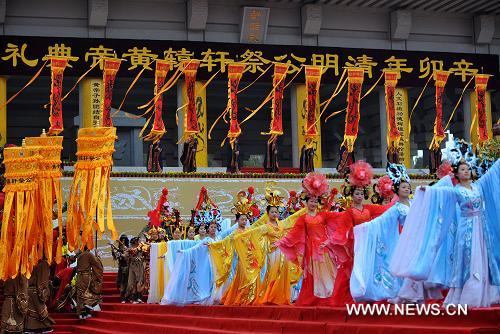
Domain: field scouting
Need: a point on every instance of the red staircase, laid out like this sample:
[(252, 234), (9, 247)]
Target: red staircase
[(196, 319)]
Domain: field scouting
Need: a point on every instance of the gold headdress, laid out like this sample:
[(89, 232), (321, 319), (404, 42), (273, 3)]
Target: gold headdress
[(345, 202), (273, 197), (243, 205), (152, 231)]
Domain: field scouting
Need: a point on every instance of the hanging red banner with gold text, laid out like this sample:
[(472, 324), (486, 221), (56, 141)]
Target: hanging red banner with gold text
[(235, 71), (482, 116), (276, 127), (313, 79), (57, 66), (111, 66), (393, 135), (355, 77), (190, 118), (158, 129), (440, 78)]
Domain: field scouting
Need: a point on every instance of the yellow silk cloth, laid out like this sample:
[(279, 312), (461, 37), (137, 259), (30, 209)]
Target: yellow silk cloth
[(255, 249), (222, 254), (89, 194), (19, 246), (49, 184), (160, 263)]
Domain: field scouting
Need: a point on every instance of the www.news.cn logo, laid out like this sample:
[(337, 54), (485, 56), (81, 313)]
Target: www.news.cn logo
[(406, 309)]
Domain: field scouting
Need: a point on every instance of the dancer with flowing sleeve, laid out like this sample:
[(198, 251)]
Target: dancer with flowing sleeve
[(316, 244), (452, 234), (263, 262)]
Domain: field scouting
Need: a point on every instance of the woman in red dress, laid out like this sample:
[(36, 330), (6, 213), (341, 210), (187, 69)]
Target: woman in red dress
[(316, 243), (359, 180)]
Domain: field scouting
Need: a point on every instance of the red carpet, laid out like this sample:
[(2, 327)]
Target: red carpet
[(156, 319)]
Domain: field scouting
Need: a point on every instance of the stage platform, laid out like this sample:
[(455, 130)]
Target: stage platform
[(196, 319)]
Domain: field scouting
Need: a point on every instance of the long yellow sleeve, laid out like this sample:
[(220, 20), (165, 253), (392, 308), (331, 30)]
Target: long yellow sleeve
[(251, 247), (222, 254)]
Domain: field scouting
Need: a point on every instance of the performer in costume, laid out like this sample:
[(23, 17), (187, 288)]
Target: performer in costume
[(191, 233), (15, 304), (164, 215), (307, 153), (153, 253), (315, 243), (228, 271), (294, 204), (37, 318), (118, 254), (271, 158), (135, 284), (64, 300), (257, 250), (452, 235), (193, 279), (374, 244), (154, 158), (356, 213), (233, 161), (89, 280), (188, 157)]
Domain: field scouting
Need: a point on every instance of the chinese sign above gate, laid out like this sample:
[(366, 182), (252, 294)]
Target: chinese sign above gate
[(22, 55)]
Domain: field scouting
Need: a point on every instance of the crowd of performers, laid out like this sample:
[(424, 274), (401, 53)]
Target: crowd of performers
[(319, 247), (330, 248)]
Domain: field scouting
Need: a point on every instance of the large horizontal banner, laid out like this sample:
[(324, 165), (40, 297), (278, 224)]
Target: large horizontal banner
[(22, 55)]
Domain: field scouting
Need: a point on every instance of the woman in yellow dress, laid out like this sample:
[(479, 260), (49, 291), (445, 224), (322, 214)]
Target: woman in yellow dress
[(229, 274), (258, 255)]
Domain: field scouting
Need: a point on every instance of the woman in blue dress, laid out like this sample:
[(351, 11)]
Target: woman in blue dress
[(191, 279), (374, 244), (452, 234)]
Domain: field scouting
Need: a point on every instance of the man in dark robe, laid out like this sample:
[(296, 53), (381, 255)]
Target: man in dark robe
[(118, 254), (233, 161), (188, 157), (37, 318), (307, 157), (154, 158), (15, 305), (271, 160), (89, 279)]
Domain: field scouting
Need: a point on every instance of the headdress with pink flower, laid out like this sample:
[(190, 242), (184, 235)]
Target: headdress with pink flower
[(360, 176), (315, 185), (382, 190)]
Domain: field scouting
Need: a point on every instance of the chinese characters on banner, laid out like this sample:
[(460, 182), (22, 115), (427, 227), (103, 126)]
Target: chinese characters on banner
[(91, 91), (393, 135), (21, 55), (95, 108), (482, 117), (401, 115)]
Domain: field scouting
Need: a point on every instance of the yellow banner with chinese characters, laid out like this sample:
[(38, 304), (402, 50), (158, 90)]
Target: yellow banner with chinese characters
[(401, 111), (301, 107), (91, 93), (201, 115), (473, 114)]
